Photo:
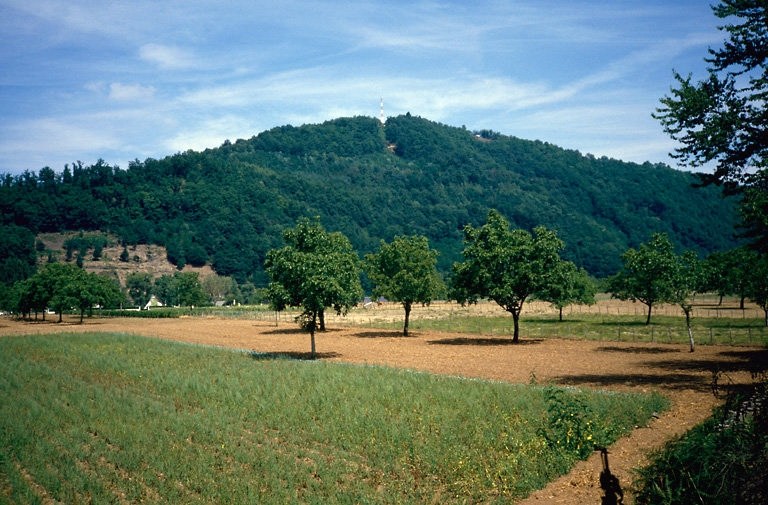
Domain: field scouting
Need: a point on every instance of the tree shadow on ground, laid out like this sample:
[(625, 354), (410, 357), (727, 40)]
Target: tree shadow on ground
[(698, 374), (622, 324), (291, 355), (382, 334), (298, 331), (638, 350), (751, 361), (671, 381), (554, 322), (480, 341), (756, 356), (286, 331)]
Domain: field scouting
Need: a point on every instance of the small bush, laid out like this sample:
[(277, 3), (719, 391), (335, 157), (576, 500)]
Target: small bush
[(570, 428)]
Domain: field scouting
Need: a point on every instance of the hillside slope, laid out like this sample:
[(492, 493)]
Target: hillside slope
[(227, 206)]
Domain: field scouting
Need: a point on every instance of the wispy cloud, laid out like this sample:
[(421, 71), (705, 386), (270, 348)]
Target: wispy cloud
[(136, 79), (129, 92), (209, 132), (166, 57)]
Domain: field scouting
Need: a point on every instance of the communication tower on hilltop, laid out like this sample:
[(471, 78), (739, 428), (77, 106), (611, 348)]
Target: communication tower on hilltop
[(381, 110)]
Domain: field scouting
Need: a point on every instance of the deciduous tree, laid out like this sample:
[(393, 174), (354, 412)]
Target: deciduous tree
[(505, 265), (567, 284), (405, 271), (139, 285), (686, 280), (727, 272), (181, 288), (757, 287), (722, 120), (87, 289), (315, 270), (648, 273)]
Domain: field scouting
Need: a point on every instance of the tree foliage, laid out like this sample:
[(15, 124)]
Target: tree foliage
[(18, 259), (180, 289), (62, 287), (728, 272), (722, 120), (315, 270), (686, 282), (505, 265), (227, 206), (648, 273), (139, 286), (404, 271), (757, 284), (567, 285)]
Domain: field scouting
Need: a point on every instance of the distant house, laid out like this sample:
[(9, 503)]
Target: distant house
[(369, 303), (153, 302)]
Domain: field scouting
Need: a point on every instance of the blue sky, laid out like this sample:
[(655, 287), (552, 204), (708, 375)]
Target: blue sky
[(121, 80)]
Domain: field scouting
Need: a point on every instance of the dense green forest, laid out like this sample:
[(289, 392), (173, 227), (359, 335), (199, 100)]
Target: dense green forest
[(227, 206)]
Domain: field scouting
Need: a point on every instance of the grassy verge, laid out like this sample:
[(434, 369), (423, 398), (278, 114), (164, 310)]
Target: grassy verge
[(111, 418), (721, 461)]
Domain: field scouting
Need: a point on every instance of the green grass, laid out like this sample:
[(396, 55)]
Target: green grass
[(663, 329), (242, 312), (101, 418), (720, 461)]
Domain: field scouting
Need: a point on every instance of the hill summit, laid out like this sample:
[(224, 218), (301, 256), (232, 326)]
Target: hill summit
[(227, 206)]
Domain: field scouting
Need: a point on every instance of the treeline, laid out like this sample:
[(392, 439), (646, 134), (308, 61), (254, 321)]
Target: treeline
[(228, 206), (318, 270)]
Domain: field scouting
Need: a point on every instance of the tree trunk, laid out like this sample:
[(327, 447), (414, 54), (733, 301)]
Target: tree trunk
[(322, 320), (687, 311), (407, 307), (648, 319), (61, 312), (561, 314), (516, 321), (82, 312), (312, 325)]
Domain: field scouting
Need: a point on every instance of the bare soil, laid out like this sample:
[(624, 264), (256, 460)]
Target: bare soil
[(686, 378)]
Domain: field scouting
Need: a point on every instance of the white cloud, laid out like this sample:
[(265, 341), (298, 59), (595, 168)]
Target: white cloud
[(69, 139), (210, 132), (580, 75), (166, 57), (130, 92)]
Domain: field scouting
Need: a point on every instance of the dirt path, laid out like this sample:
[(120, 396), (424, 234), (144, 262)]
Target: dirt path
[(684, 377)]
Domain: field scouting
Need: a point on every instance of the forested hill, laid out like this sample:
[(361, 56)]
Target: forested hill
[(229, 205)]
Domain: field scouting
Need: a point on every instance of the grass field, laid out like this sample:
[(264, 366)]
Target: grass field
[(610, 320), (620, 328), (102, 418)]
